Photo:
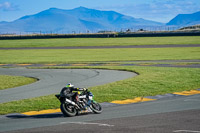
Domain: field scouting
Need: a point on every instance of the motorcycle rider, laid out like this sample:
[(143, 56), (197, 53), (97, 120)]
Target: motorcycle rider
[(74, 103), (70, 91)]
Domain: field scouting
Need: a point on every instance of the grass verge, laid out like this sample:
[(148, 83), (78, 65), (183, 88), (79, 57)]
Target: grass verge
[(150, 82), (100, 41), (7, 81), (57, 56)]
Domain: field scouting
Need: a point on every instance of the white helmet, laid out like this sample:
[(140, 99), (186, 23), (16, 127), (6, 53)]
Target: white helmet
[(69, 85)]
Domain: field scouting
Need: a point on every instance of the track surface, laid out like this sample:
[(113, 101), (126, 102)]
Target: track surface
[(161, 116), (53, 80), (160, 63)]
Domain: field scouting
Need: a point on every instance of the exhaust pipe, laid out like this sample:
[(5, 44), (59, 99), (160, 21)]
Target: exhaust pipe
[(71, 102)]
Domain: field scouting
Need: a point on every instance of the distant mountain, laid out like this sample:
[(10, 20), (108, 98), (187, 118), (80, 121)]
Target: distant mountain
[(185, 19), (76, 20)]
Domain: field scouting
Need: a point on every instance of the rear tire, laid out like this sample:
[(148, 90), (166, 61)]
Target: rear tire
[(68, 110), (96, 107)]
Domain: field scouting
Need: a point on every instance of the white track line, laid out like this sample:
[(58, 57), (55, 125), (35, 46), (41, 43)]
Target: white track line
[(185, 131), (87, 123)]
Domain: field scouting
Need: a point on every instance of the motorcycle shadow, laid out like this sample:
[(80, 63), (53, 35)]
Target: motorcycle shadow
[(41, 116)]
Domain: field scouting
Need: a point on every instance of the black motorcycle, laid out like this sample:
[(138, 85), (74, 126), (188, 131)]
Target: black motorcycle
[(75, 104)]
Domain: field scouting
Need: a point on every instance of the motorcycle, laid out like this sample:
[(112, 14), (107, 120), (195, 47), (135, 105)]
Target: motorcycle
[(75, 104)]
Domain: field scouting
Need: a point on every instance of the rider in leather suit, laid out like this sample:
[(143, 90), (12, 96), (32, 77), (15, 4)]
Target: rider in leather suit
[(70, 91)]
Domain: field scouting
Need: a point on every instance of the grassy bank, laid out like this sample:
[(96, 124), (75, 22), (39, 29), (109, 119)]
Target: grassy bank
[(14, 81), (150, 82), (100, 41), (92, 55)]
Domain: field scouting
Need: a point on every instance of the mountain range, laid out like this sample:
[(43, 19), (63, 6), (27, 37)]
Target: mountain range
[(185, 19), (80, 19), (83, 20)]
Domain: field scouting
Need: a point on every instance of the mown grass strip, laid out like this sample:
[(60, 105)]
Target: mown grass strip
[(151, 81), (7, 81), (59, 56), (100, 41)]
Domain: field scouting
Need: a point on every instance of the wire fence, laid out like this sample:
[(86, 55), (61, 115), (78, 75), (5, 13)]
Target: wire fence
[(137, 31), (89, 31), (105, 35)]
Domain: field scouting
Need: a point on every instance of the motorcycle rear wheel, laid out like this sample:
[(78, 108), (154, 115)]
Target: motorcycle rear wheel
[(68, 110)]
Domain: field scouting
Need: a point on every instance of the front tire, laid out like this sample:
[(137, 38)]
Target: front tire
[(96, 107), (68, 110)]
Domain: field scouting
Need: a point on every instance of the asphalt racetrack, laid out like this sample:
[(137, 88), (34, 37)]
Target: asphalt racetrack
[(171, 114), (51, 81)]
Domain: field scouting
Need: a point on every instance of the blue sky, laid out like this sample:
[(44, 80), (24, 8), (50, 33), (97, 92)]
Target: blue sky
[(157, 10)]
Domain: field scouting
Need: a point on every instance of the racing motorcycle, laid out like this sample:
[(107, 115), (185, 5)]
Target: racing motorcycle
[(75, 104)]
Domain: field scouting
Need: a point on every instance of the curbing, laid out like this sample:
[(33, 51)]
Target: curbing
[(135, 100), (120, 102)]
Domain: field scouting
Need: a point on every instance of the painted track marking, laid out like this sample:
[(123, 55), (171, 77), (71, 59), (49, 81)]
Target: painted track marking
[(87, 123), (187, 93), (49, 111), (186, 131), (135, 100)]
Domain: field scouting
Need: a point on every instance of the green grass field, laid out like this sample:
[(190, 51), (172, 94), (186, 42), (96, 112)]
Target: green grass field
[(7, 81), (100, 41), (92, 55), (151, 81)]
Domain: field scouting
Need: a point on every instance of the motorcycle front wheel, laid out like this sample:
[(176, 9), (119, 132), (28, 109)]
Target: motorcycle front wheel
[(68, 110), (96, 107)]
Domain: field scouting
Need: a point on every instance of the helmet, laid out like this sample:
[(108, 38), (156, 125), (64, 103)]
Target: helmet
[(69, 85)]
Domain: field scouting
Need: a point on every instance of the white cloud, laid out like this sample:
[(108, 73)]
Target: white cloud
[(7, 6)]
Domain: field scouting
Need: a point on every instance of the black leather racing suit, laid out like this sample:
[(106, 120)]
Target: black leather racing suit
[(71, 92)]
